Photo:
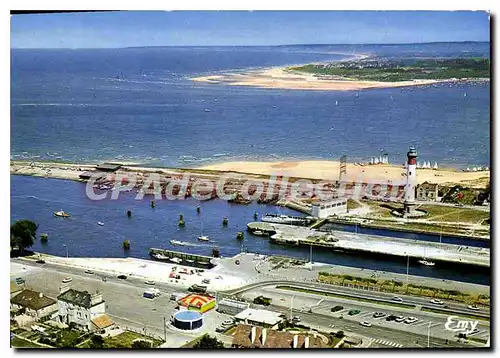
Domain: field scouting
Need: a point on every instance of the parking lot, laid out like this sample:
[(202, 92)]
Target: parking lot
[(305, 302), (124, 301)]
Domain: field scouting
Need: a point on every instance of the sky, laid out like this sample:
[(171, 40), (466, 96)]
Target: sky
[(211, 28)]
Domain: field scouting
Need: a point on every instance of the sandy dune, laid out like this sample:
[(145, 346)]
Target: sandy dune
[(329, 170)]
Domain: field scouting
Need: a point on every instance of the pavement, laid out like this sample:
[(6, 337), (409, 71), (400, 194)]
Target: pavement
[(303, 302), (127, 307), (124, 301)]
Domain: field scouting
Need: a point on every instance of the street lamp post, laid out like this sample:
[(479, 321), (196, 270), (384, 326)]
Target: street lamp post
[(407, 267), (66, 247), (429, 335), (291, 307)]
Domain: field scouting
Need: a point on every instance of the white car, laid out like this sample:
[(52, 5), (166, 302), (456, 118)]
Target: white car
[(436, 302), (67, 279), (227, 322), (399, 319), (473, 307), (398, 299), (411, 320), (365, 323), (150, 282), (90, 272)]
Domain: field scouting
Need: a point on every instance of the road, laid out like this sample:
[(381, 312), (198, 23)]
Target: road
[(384, 296), (304, 303), (126, 306)]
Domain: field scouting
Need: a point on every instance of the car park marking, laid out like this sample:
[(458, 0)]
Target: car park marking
[(387, 343)]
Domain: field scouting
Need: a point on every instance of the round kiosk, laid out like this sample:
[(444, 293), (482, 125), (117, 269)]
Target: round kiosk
[(188, 320)]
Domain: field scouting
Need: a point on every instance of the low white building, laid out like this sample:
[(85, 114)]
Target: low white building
[(263, 318), (324, 209), (80, 307)]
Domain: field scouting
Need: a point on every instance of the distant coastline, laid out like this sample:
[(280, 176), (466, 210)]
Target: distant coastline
[(304, 77)]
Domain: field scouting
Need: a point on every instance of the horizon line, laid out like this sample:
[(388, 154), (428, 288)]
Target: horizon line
[(281, 45)]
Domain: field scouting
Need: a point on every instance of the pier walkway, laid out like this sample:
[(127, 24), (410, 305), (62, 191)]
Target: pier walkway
[(374, 244)]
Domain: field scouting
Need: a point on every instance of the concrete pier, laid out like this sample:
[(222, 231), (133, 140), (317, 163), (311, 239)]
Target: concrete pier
[(380, 245)]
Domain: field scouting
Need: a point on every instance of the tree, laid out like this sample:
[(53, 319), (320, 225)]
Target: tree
[(207, 342), (96, 341), (141, 344), (23, 234), (126, 245)]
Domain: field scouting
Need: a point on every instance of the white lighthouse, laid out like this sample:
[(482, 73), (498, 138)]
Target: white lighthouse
[(411, 181)]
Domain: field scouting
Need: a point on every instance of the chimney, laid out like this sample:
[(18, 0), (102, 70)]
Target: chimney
[(254, 334), (264, 336), (306, 342), (295, 341), (40, 295)]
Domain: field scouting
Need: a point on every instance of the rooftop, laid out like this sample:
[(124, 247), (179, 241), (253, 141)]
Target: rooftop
[(260, 316), (109, 167), (102, 321), (32, 299), (79, 298), (270, 338)]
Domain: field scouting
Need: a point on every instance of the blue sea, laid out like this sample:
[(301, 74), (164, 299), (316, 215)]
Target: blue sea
[(139, 105)]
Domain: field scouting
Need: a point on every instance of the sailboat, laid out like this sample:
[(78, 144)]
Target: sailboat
[(202, 237), (435, 166), (426, 262)]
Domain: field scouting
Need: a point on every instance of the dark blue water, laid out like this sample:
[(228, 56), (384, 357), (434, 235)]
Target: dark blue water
[(37, 199), (139, 105), (407, 235)]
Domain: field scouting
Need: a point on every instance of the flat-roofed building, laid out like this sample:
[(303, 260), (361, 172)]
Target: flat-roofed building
[(324, 209), (260, 317)]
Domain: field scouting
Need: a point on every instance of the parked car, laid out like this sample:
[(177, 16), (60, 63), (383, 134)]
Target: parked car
[(411, 320), (228, 322), (365, 323), (206, 281), (40, 261), (67, 279), (473, 307), (397, 299), (90, 272), (353, 312), (150, 282), (435, 301), (122, 277), (390, 318), (337, 308), (399, 319), (19, 280), (296, 318), (220, 329), (379, 314)]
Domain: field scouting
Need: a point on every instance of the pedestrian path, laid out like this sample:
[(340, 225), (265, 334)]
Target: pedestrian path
[(387, 343)]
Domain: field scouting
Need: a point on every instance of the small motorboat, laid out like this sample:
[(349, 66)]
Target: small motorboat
[(176, 242), (100, 223), (61, 214), (190, 261), (258, 233), (426, 263), (176, 260), (203, 238)]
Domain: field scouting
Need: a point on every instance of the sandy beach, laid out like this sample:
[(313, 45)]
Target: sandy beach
[(282, 78), (314, 169), (329, 170)]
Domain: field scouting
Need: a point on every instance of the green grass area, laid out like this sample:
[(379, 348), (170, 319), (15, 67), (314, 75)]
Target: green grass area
[(334, 341), (465, 315), (338, 295), (17, 342), (402, 70), (125, 339), (190, 344), (352, 204), (476, 339), (454, 214)]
